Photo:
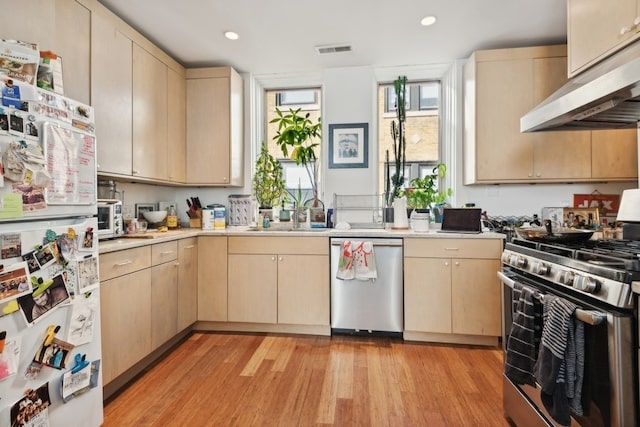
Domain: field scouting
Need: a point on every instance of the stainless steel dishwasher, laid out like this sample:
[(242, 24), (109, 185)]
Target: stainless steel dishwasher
[(369, 306)]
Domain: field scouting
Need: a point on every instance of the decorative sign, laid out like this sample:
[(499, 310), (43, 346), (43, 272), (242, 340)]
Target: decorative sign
[(607, 204)]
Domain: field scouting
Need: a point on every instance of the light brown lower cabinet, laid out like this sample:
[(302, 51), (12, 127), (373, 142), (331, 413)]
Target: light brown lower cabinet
[(125, 302), (283, 280), (451, 287), (187, 282), (164, 292), (212, 278)]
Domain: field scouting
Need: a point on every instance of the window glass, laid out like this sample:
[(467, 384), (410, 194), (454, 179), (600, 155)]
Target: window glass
[(308, 99), (422, 133)]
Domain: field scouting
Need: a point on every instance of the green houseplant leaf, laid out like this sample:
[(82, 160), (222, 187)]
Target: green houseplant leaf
[(268, 180), (425, 192), (298, 134)]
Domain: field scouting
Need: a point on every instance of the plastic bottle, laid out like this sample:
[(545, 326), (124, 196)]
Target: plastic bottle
[(172, 218)]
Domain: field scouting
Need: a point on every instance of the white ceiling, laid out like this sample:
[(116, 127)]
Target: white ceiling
[(280, 35)]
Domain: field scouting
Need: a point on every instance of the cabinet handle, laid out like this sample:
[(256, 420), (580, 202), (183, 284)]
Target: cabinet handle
[(189, 247), (280, 258), (176, 264), (166, 253), (446, 263), (123, 263), (451, 249), (624, 30), (273, 258), (457, 263), (636, 21), (135, 172)]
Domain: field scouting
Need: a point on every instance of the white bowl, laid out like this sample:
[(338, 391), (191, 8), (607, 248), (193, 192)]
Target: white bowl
[(155, 216)]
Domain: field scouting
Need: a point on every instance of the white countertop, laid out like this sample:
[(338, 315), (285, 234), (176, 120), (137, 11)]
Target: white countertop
[(106, 246)]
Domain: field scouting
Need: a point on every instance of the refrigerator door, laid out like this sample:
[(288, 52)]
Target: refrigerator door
[(59, 258), (48, 151)]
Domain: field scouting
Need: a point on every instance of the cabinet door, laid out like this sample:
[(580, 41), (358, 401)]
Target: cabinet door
[(503, 153), (149, 115), (164, 303), (176, 126), (615, 154), (73, 39), (111, 86), (594, 29), (208, 130), (125, 303), (212, 278), (557, 155), (253, 288), (303, 289), (475, 296), (427, 295), (187, 282)]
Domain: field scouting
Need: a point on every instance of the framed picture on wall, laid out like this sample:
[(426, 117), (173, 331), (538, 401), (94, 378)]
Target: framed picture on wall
[(349, 145)]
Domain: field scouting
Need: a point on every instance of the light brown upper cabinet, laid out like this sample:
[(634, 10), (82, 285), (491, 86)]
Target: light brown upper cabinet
[(500, 86), (597, 28), (149, 115), (60, 26), (111, 94), (138, 93), (214, 127)]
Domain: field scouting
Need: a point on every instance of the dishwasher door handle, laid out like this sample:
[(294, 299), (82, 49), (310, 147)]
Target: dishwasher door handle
[(391, 243)]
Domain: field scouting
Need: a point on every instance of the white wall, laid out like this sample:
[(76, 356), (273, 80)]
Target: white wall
[(349, 96)]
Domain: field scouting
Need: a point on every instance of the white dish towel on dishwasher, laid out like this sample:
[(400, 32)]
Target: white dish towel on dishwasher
[(357, 261)]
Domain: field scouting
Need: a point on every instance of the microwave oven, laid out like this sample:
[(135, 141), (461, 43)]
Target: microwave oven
[(110, 221)]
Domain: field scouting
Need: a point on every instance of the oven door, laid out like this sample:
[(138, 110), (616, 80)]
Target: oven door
[(608, 392)]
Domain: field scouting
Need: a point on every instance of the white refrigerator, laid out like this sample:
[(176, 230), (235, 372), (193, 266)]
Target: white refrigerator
[(49, 278)]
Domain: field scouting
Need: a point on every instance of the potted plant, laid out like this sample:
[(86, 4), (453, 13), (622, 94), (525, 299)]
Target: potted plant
[(299, 134), (268, 181), (297, 198), (423, 193), (394, 183)]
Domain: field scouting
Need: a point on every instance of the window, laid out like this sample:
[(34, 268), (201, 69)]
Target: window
[(420, 97), (307, 99), (422, 133)]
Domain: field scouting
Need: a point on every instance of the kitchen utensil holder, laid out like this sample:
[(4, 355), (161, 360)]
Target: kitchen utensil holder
[(196, 222)]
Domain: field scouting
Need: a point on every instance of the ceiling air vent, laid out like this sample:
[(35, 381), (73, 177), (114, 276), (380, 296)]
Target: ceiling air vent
[(333, 49)]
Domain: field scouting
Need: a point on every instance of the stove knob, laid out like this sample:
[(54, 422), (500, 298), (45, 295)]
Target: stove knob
[(541, 268), (506, 258), (566, 278), (586, 284), (521, 262)]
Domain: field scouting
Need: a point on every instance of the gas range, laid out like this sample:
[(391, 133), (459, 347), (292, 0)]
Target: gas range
[(598, 270)]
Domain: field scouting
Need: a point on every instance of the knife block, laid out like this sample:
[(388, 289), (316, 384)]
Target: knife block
[(196, 222)]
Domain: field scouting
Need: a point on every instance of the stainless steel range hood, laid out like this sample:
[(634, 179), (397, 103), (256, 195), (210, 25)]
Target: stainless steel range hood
[(606, 96)]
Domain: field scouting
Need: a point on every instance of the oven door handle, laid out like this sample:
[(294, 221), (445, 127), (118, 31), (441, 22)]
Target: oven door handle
[(590, 317)]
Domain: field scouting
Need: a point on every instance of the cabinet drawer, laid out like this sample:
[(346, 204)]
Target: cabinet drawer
[(164, 252), (453, 248), (114, 264), (279, 245)]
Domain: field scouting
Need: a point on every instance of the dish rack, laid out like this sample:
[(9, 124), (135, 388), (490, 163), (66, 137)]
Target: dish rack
[(360, 211)]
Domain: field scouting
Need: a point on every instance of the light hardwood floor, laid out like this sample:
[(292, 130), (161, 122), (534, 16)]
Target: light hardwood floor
[(219, 379)]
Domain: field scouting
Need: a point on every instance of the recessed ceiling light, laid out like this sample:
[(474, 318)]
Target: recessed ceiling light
[(428, 20), (231, 35)]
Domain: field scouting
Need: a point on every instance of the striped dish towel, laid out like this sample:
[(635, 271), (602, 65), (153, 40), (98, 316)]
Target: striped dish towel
[(521, 344)]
